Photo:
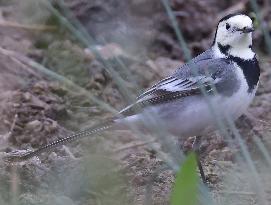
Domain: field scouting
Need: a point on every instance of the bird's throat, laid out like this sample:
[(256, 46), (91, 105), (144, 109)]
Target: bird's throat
[(244, 52)]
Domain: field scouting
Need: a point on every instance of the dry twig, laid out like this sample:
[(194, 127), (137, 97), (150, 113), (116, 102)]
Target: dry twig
[(133, 145), (27, 27)]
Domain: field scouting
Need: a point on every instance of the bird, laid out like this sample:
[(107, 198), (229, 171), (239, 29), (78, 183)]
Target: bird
[(227, 75)]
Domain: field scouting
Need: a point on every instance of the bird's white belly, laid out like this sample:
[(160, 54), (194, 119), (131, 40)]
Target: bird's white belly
[(202, 117), (194, 115), (237, 104)]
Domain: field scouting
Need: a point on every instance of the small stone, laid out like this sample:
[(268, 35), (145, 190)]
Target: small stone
[(26, 97), (164, 66), (51, 126), (212, 178), (36, 103), (16, 105), (108, 51), (40, 87), (52, 156), (34, 125)]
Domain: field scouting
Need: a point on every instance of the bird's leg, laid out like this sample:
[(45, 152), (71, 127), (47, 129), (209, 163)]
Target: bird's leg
[(195, 148)]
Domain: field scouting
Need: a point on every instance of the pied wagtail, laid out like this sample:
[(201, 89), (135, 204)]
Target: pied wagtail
[(229, 68)]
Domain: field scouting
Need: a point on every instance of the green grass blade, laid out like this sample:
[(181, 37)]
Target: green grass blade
[(265, 31), (185, 190), (177, 30)]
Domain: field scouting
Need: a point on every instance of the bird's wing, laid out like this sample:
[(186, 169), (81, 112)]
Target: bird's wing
[(190, 79), (174, 84)]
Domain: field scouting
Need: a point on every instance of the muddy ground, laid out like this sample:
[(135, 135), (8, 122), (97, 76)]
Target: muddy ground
[(112, 168)]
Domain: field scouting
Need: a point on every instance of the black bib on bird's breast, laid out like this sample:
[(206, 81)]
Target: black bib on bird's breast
[(251, 70), (250, 67)]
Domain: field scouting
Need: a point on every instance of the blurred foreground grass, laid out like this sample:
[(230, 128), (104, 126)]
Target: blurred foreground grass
[(97, 179)]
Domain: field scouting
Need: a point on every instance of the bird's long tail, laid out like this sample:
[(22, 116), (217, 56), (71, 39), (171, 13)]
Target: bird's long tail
[(84, 133)]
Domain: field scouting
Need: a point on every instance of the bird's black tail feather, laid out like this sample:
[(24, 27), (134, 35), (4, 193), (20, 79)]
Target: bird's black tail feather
[(84, 133)]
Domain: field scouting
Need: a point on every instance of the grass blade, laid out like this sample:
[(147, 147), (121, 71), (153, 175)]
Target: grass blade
[(185, 191)]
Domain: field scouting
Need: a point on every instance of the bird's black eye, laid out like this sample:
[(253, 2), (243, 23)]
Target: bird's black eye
[(228, 26)]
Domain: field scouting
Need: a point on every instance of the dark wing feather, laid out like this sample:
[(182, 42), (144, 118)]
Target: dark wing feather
[(210, 73), (168, 91)]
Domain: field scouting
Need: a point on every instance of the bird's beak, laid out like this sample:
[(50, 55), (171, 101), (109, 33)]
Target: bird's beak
[(246, 29)]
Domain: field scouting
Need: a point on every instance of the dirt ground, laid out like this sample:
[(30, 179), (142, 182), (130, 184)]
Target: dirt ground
[(36, 107)]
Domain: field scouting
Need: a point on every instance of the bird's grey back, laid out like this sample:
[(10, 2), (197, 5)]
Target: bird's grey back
[(207, 64)]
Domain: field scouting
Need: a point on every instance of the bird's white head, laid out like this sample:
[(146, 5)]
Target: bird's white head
[(234, 36)]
